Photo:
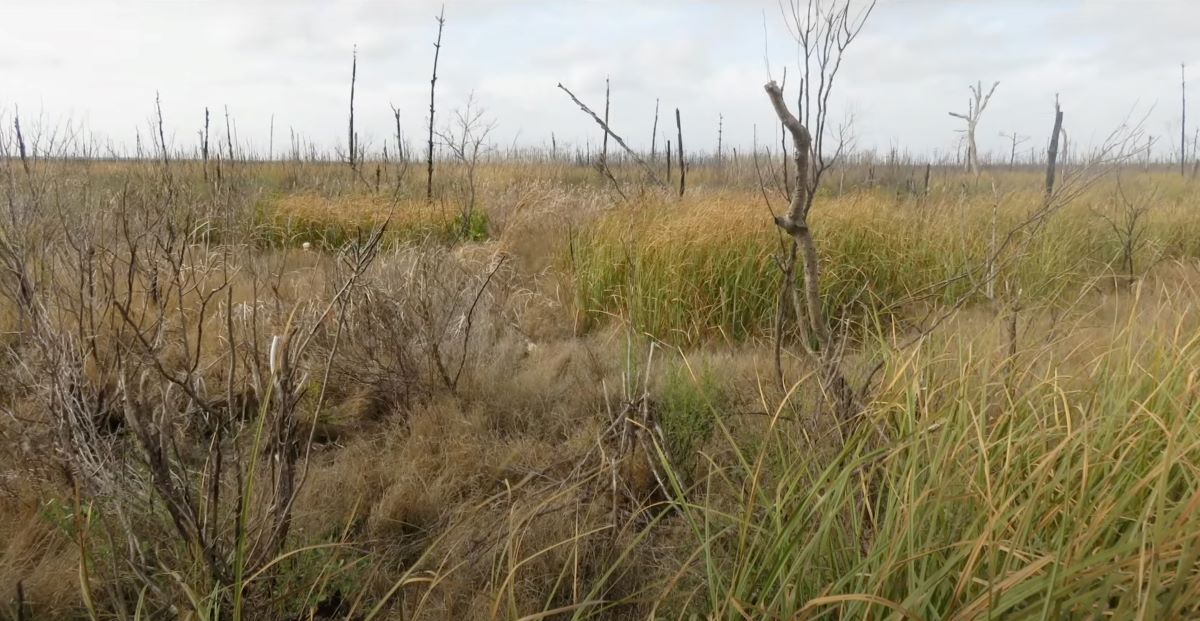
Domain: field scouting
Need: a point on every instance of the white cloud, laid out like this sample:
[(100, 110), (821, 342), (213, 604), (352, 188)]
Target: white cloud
[(104, 60)]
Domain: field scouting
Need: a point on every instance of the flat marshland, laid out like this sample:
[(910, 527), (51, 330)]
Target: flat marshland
[(291, 390)]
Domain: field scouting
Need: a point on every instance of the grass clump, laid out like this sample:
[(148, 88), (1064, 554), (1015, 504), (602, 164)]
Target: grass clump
[(331, 222), (1005, 489), (707, 267), (686, 407)]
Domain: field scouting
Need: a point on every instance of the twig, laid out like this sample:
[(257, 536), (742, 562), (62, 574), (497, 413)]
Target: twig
[(462, 360)]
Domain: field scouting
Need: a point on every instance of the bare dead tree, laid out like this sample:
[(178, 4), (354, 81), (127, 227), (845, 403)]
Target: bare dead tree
[(399, 135), (1127, 224), (204, 145), (20, 141), (466, 139), (162, 139), (1065, 149), (720, 134), (654, 131), (350, 138), (17, 253), (228, 134), (679, 146), (975, 107), (271, 138), (1052, 153), (604, 138), (1196, 154), (822, 33), (1017, 140), (668, 159), (437, 51), (1183, 119)]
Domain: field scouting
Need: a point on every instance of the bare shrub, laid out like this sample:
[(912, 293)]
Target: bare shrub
[(177, 409)]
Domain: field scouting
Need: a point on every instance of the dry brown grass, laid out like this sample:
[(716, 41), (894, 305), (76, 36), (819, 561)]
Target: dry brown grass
[(502, 485)]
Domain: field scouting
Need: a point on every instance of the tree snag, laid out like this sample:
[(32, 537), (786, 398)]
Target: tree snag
[(204, 145), (1052, 153), (795, 222), (350, 142), (437, 51), (604, 143), (679, 145), (975, 108), (654, 131)]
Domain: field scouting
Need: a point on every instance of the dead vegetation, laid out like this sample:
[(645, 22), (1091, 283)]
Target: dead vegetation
[(541, 387), (206, 421)]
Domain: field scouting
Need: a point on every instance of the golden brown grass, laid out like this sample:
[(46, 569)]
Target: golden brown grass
[(973, 486)]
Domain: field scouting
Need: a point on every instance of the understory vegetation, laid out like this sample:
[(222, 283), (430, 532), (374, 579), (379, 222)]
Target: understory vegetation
[(297, 392)]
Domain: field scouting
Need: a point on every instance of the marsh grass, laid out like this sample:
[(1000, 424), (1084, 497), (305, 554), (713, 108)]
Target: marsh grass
[(985, 487), (1044, 472), (707, 266), (330, 223)]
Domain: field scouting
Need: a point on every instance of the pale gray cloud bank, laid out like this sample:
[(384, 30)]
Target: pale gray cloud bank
[(101, 62)]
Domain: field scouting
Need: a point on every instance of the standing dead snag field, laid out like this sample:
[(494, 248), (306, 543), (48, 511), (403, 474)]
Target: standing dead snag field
[(498, 488), (565, 383)]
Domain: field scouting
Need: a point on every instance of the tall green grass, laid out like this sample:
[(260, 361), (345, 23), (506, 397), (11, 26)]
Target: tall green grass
[(1062, 483), (708, 267)]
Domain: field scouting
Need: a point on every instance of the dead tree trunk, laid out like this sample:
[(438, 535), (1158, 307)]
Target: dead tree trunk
[(1065, 148), (1196, 154), (795, 223), (437, 51), (1183, 120), (604, 139), (162, 137), (228, 135), (654, 132), (1052, 154), (399, 135), (720, 134), (1017, 140), (679, 145), (975, 108), (351, 138), (668, 160), (204, 146)]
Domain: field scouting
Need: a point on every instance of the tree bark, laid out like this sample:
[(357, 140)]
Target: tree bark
[(679, 145), (795, 223), (1052, 154)]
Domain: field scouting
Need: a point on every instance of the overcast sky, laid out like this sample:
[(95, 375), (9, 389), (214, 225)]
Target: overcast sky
[(100, 62)]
